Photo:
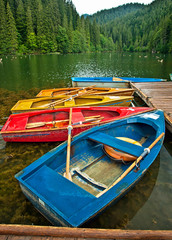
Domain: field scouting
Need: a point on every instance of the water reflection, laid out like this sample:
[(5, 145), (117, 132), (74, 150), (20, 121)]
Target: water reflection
[(157, 211), (43, 71)]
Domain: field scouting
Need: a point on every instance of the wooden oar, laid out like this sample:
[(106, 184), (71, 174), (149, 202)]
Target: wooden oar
[(67, 173), (88, 120), (52, 104), (76, 90), (41, 124), (146, 151), (96, 116)]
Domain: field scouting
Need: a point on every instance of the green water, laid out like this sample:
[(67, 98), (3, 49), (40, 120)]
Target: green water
[(148, 204), (43, 71)]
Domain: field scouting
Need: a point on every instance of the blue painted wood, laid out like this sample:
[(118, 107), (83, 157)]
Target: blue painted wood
[(116, 143), (118, 79), (72, 203)]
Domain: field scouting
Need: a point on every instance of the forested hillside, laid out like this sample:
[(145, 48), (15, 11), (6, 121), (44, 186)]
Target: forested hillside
[(104, 16), (43, 26), (33, 26), (142, 28)]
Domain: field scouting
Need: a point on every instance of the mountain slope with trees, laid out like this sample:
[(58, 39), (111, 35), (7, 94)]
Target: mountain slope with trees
[(143, 28), (44, 26), (104, 16)]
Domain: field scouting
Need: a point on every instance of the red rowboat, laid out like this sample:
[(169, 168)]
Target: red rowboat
[(51, 125)]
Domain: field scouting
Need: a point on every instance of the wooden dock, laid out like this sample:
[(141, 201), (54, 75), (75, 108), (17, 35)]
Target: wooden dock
[(27, 232), (158, 95)]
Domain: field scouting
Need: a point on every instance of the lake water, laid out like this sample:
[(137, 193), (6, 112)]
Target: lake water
[(43, 71), (148, 204)]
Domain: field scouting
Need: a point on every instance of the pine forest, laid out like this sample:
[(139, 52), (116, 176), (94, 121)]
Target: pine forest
[(54, 26)]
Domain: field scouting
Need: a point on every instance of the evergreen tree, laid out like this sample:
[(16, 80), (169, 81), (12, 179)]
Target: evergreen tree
[(3, 30), (55, 14), (41, 37), (95, 35), (12, 43), (49, 29), (55, 25), (87, 33), (62, 40), (31, 37), (21, 22)]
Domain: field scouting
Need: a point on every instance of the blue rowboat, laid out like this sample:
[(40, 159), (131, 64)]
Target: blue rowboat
[(119, 82), (97, 180)]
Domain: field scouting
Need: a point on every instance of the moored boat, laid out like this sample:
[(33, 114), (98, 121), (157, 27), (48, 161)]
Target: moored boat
[(96, 180), (95, 91), (70, 101), (51, 125), (110, 82)]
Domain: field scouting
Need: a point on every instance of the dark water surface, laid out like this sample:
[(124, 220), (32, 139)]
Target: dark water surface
[(43, 71), (148, 205)]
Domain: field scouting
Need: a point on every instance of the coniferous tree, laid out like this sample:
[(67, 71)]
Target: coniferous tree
[(49, 29), (87, 33), (21, 22), (41, 37), (55, 15), (55, 25), (3, 29), (12, 42), (31, 37), (95, 35)]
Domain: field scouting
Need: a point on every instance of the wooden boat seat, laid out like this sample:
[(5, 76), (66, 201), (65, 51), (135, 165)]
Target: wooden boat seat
[(116, 143)]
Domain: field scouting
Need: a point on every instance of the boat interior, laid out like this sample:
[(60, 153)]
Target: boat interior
[(93, 170), (61, 118)]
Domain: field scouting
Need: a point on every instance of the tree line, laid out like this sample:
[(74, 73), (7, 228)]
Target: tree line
[(47, 26), (138, 27), (43, 26)]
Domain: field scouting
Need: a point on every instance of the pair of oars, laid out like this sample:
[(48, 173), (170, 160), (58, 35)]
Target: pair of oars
[(41, 124), (145, 152), (52, 104), (73, 91)]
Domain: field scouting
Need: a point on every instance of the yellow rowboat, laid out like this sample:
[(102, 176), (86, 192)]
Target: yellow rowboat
[(95, 91), (70, 101)]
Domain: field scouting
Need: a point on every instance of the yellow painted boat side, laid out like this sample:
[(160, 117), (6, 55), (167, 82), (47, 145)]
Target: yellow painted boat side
[(91, 100)]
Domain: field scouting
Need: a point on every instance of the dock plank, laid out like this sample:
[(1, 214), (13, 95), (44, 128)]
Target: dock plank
[(157, 95)]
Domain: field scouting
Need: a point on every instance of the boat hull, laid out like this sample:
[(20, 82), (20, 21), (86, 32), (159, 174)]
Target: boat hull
[(55, 218), (48, 103), (96, 91), (121, 82), (101, 84), (15, 129), (94, 184)]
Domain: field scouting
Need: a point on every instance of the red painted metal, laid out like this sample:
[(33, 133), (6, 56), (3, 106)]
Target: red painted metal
[(55, 122)]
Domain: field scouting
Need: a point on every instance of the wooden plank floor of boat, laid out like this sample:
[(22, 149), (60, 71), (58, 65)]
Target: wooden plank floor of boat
[(28, 232), (158, 95)]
